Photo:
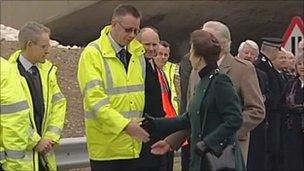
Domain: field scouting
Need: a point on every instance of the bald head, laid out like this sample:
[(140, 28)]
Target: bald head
[(148, 36)]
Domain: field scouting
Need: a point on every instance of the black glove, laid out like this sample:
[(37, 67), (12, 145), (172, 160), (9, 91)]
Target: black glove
[(296, 109), (162, 127), (148, 124), (201, 148)]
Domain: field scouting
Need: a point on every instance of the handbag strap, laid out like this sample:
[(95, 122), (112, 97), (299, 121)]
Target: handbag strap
[(207, 101), (206, 108)]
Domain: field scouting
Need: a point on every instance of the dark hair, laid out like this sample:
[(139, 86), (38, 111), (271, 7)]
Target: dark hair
[(164, 43), (205, 45), (122, 10)]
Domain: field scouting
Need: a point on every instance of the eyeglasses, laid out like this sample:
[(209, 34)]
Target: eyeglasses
[(129, 30)]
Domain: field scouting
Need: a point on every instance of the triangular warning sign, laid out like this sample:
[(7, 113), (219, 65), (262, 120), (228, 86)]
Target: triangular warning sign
[(293, 35)]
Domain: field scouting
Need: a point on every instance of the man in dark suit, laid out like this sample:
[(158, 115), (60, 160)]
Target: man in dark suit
[(269, 52), (149, 37), (249, 50), (281, 64)]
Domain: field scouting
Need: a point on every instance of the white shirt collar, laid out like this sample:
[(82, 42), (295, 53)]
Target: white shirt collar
[(151, 63), (220, 60), (115, 45), (25, 63)]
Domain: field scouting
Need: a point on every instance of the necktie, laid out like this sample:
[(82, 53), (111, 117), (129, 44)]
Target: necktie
[(123, 56), (34, 70)]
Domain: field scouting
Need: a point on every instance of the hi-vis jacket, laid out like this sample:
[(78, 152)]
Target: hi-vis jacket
[(54, 114), (170, 70), (112, 97), (14, 120)]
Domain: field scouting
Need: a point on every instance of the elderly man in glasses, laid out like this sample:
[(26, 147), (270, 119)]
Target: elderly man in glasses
[(111, 76)]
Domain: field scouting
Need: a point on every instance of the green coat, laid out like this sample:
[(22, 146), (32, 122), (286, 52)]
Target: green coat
[(223, 119)]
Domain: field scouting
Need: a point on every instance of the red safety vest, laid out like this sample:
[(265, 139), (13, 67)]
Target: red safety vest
[(167, 105)]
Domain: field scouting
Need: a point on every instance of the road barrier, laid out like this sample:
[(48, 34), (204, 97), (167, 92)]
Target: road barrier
[(72, 153)]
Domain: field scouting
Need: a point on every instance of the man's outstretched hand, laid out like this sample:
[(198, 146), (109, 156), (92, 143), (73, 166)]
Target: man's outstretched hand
[(135, 131), (160, 147)]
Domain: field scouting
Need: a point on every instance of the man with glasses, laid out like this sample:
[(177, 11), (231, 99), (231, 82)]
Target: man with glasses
[(111, 76)]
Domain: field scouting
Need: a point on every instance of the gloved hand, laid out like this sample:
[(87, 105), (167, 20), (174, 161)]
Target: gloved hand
[(162, 127), (201, 148), (148, 123), (296, 109)]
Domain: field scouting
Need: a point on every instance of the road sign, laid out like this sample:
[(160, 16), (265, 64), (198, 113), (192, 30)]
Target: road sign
[(293, 35)]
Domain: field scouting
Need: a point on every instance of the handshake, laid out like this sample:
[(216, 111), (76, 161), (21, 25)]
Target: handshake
[(142, 129), (139, 128)]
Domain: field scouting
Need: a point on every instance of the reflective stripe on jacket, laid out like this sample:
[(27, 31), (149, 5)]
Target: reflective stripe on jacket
[(171, 71), (112, 97), (14, 112), (54, 114)]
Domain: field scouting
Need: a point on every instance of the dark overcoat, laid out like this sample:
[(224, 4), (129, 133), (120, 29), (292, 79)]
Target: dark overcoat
[(153, 107), (223, 120), (272, 103), (293, 127)]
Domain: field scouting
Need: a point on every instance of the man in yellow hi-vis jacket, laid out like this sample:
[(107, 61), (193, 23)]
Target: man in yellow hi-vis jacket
[(111, 76), (14, 120), (47, 103)]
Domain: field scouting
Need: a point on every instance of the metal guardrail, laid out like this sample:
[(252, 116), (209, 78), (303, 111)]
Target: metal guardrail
[(72, 153)]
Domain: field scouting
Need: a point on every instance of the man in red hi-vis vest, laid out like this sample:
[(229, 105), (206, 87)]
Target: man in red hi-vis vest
[(160, 61), (166, 91)]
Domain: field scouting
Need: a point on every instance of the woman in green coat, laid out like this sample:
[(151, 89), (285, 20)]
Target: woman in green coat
[(214, 95)]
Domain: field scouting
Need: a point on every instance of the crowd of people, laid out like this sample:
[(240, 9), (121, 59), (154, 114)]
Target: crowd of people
[(139, 107)]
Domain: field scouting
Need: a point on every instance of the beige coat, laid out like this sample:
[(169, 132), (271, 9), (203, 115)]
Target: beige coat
[(245, 82)]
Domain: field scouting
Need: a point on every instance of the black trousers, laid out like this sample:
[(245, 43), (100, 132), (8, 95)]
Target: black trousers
[(168, 161), (185, 157), (148, 161), (114, 165)]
